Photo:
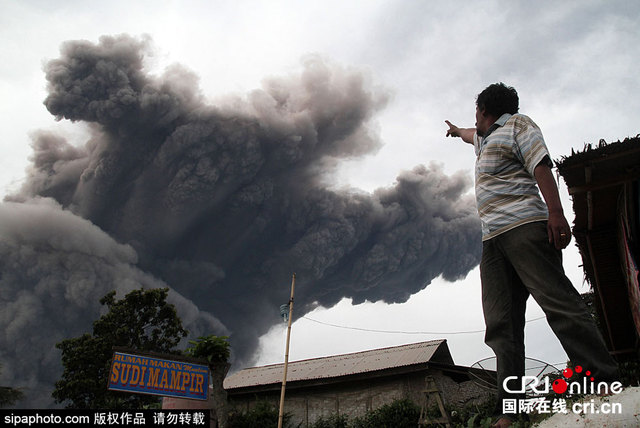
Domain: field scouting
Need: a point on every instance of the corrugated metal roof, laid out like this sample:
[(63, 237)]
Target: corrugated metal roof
[(337, 365)]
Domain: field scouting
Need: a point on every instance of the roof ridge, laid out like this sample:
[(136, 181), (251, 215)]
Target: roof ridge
[(375, 350)]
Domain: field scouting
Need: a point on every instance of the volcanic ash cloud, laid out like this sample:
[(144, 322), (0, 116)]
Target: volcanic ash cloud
[(224, 202)]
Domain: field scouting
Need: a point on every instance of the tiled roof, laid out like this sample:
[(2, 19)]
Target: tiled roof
[(342, 365)]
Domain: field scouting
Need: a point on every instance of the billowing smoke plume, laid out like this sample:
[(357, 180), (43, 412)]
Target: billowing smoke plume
[(221, 203), (54, 268)]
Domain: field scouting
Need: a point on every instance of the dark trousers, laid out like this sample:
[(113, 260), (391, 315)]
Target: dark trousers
[(519, 263)]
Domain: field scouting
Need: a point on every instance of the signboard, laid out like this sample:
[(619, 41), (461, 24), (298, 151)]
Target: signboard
[(149, 375)]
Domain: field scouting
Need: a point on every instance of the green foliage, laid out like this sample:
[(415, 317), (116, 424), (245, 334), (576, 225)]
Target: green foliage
[(474, 415), (142, 320), (333, 421), (405, 413), (479, 416), (9, 396), (630, 372), (263, 415), (214, 349), (398, 414)]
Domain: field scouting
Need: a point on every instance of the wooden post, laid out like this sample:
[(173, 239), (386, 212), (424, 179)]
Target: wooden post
[(286, 354)]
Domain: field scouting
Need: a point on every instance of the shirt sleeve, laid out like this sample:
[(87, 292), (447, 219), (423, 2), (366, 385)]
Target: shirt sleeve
[(529, 146), (477, 141)]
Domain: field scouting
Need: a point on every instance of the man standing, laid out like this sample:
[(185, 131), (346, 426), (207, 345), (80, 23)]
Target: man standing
[(522, 242)]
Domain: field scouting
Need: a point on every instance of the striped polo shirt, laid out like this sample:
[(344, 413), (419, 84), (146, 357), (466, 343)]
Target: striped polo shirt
[(507, 194)]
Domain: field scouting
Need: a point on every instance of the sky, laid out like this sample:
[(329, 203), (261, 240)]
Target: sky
[(338, 107)]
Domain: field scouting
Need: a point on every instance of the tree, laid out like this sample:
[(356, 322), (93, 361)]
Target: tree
[(142, 321), (9, 396), (215, 350)]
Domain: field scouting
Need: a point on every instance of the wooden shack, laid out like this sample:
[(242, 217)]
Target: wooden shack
[(603, 182)]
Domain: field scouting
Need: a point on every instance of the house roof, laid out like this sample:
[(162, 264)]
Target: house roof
[(343, 365)]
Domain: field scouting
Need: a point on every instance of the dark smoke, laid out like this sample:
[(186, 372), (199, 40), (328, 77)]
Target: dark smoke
[(54, 267), (222, 203)]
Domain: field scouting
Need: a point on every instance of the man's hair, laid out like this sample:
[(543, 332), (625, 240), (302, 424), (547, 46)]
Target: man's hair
[(498, 99)]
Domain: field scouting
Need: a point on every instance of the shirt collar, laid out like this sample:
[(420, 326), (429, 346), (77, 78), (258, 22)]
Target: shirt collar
[(497, 124)]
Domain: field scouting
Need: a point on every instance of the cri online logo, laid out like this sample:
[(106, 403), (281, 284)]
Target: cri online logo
[(564, 384), (560, 386)]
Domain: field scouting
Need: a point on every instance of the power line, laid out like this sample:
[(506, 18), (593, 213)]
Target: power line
[(404, 332)]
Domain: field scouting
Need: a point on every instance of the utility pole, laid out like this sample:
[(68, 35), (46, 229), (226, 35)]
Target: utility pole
[(286, 354)]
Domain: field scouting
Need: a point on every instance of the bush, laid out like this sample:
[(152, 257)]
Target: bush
[(333, 421), (472, 415), (630, 373), (263, 415), (398, 414)]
